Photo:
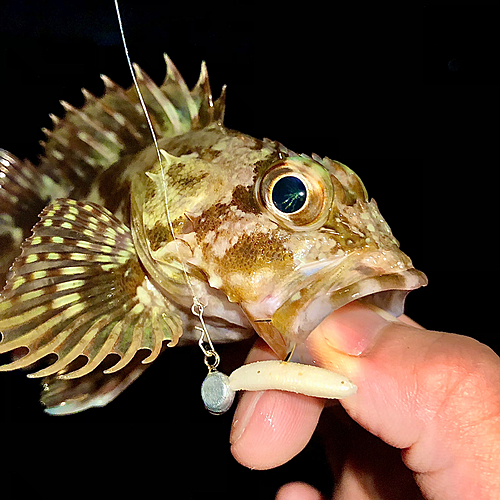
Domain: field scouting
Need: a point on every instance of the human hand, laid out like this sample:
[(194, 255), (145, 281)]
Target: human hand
[(425, 419)]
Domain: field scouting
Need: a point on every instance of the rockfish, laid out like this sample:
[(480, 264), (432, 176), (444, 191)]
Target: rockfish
[(269, 241)]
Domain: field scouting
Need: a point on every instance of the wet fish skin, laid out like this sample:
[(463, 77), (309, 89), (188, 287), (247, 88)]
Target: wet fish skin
[(102, 274)]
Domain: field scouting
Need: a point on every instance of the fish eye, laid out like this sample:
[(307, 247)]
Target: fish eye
[(296, 192), (289, 194)]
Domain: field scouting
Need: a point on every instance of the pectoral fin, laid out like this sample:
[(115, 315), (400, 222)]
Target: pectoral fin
[(96, 389), (78, 290)]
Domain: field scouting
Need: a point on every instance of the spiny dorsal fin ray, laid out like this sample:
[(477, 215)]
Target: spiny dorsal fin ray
[(177, 91), (167, 121), (208, 110), (77, 289), (94, 137)]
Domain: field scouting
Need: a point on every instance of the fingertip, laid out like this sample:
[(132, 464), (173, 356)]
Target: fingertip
[(298, 491), (381, 357), (271, 427)]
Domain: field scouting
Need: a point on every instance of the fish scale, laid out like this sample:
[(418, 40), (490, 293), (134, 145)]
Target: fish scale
[(96, 284)]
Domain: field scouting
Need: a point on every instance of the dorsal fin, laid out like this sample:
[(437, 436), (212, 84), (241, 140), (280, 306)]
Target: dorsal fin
[(94, 137)]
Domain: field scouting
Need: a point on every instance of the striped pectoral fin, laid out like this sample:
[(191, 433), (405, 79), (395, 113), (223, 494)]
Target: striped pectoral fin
[(78, 290), (96, 389)]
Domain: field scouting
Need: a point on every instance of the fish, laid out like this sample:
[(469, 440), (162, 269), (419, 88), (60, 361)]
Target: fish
[(105, 244)]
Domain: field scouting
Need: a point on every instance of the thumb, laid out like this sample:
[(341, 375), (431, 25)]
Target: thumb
[(434, 395)]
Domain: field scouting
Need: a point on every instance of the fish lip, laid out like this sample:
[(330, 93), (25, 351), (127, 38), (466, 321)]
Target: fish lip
[(318, 296), (311, 314)]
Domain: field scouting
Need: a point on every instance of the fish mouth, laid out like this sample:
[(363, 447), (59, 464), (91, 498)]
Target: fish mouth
[(381, 278)]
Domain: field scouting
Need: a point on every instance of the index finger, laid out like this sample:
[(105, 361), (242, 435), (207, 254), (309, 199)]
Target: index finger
[(271, 427)]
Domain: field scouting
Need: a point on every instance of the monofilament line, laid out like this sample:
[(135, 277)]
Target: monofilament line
[(198, 307), (155, 141)]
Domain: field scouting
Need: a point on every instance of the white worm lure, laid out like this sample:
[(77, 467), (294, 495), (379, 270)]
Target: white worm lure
[(291, 377), (218, 390)]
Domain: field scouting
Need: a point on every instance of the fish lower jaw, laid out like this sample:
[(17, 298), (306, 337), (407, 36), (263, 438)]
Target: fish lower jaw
[(303, 312), (283, 324), (287, 312)]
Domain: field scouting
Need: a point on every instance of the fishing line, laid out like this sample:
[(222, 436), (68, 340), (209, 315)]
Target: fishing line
[(216, 394), (153, 135)]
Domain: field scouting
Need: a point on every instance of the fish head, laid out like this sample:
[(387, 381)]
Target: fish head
[(341, 247), (288, 238)]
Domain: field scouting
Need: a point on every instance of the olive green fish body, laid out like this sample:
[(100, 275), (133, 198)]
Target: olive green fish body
[(267, 240)]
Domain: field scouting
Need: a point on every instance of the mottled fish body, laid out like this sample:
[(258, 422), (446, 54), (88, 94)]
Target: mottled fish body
[(272, 241)]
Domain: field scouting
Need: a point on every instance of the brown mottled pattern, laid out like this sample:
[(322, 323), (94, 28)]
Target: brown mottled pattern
[(252, 252), (101, 276), (209, 220), (158, 235), (244, 199)]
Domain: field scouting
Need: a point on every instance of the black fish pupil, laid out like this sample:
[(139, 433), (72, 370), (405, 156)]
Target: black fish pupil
[(289, 194)]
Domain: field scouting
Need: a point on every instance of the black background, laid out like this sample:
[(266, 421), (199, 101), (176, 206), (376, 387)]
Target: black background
[(369, 86)]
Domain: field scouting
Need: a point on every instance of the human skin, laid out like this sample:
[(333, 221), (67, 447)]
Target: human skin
[(425, 422)]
